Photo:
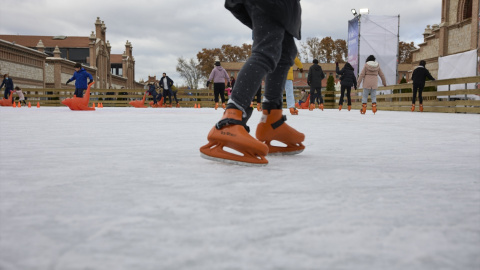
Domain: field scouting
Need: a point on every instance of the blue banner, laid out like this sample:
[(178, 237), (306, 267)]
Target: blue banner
[(352, 43)]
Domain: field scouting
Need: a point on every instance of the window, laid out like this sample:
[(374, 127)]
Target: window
[(466, 10), (299, 75)]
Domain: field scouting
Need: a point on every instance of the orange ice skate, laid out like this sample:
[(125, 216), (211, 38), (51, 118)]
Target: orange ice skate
[(272, 127), (339, 107), (374, 108), (349, 107), (421, 107), (320, 106), (232, 132), (216, 105), (312, 106), (364, 108), (293, 111)]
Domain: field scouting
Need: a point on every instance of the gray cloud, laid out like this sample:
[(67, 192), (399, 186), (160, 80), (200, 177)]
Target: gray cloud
[(161, 31)]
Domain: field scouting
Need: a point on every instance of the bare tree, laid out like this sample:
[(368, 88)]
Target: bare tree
[(310, 49), (190, 71)]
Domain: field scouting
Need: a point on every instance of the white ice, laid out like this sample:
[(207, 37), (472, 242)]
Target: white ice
[(126, 188)]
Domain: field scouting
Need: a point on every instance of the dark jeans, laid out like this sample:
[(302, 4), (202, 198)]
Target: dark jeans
[(342, 93), (273, 52), (169, 93), (314, 96), (6, 94), (258, 95), (175, 96), (419, 88), (219, 89), (79, 92)]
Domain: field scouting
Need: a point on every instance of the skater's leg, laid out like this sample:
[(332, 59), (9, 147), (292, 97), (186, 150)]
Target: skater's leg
[(216, 91), (414, 91), (420, 95), (342, 94), (266, 53), (349, 98), (366, 91), (289, 94)]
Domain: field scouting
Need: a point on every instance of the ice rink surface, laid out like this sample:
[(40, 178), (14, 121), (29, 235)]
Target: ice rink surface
[(126, 188)]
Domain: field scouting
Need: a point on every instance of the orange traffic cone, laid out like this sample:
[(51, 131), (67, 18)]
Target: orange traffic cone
[(19, 105), (29, 105), (101, 104), (199, 105), (38, 104), (195, 105), (14, 104), (93, 105)]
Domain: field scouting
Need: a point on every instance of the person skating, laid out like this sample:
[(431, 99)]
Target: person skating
[(21, 96), (7, 81), (289, 87), (273, 52), (315, 77), (156, 97), (418, 77), (220, 79), (347, 80), (369, 76), (166, 83), (80, 77)]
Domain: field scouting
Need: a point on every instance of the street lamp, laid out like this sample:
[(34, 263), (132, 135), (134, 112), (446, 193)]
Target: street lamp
[(354, 12), (364, 11)]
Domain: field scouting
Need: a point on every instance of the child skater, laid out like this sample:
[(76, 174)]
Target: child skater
[(275, 24), (418, 77), (369, 76), (20, 95), (347, 80)]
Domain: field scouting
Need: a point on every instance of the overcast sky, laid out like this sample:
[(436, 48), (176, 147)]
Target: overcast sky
[(161, 31)]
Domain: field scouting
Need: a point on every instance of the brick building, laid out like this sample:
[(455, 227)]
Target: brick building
[(456, 33), (23, 56)]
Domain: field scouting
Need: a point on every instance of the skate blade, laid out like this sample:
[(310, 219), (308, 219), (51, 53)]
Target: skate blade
[(283, 153), (234, 162)]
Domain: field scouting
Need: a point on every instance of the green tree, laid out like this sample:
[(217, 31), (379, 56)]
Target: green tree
[(330, 83)]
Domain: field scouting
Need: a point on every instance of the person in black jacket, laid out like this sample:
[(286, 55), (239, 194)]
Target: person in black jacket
[(8, 86), (418, 77), (315, 77), (166, 83), (347, 80)]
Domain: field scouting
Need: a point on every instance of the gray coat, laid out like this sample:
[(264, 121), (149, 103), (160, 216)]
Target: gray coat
[(286, 12)]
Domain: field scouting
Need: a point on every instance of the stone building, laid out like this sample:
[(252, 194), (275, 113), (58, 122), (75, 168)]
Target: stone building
[(60, 53), (456, 33)]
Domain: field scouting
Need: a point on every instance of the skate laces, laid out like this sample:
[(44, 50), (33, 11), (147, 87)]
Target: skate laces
[(229, 121)]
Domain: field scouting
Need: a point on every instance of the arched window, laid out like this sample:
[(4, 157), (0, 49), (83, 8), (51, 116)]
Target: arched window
[(466, 10)]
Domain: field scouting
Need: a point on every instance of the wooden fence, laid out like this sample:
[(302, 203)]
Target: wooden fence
[(435, 101)]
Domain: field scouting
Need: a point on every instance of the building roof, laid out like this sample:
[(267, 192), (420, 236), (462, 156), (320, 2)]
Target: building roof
[(48, 41)]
